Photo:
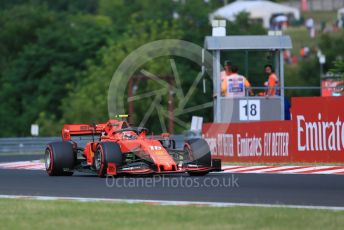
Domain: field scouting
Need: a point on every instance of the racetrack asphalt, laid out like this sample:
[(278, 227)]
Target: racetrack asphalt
[(317, 190)]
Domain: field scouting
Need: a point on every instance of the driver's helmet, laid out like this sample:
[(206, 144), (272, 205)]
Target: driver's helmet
[(129, 135)]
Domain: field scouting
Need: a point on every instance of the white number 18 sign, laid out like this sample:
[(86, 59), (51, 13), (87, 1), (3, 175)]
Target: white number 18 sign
[(249, 110)]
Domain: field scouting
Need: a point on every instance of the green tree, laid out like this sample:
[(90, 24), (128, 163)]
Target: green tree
[(338, 67), (45, 71), (88, 102), (18, 29), (333, 48), (57, 57)]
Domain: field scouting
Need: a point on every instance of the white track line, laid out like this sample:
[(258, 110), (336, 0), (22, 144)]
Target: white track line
[(173, 203)]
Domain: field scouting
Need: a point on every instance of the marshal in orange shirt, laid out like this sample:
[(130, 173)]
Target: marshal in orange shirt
[(272, 84)]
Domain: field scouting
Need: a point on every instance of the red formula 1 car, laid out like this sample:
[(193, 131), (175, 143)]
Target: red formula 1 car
[(115, 148)]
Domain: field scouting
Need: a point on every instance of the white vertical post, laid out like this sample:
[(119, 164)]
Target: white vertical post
[(281, 68), (217, 89), (218, 30), (277, 62), (34, 130)]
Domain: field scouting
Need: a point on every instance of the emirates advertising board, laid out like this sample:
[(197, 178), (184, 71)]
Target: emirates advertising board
[(314, 134)]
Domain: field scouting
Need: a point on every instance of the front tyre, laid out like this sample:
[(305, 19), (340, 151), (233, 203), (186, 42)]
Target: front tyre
[(199, 154), (59, 159), (107, 152)]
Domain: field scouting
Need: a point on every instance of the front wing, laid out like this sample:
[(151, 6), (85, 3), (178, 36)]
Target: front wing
[(186, 168)]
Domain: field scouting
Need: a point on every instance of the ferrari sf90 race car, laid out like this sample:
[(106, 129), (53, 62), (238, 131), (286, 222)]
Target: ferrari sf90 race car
[(115, 148)]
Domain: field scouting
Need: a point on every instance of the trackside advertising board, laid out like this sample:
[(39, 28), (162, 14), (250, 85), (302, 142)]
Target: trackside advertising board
[(315, 134)]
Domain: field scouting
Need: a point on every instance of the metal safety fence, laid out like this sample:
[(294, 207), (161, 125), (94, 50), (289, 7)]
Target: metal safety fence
[(25, 144)]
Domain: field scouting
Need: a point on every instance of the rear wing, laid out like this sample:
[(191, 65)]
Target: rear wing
[(70, 130)]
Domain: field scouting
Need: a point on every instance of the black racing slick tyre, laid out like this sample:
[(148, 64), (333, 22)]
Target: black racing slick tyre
[(199, 151), (199, 154), (107, 152), (59, 159)]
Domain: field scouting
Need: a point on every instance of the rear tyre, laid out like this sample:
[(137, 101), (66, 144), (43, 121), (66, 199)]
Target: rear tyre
[(199, 153), (107, 152), (59, 159)]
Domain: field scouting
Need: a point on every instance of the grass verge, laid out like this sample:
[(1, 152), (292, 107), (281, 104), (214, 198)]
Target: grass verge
[(31, 214)]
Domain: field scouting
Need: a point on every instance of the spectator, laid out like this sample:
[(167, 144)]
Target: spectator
[(307, 51), (294, 59), (227, 70), (287, 56), (304, 51), (310, 25), (235, 84), (272, 82)]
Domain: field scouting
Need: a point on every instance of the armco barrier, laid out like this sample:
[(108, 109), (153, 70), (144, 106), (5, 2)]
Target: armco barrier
[(33, 144), (25, 144), (315, 134)]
